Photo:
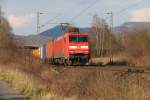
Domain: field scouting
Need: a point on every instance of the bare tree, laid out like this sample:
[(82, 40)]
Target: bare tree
[(7, 46), (101, 32)]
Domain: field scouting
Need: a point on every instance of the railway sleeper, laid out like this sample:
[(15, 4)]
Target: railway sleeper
[(131, 71)]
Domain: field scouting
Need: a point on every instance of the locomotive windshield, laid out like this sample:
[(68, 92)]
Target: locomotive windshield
[(78, 39)]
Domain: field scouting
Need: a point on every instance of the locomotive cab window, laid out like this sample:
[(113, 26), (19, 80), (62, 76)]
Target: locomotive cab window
[(78, 39)]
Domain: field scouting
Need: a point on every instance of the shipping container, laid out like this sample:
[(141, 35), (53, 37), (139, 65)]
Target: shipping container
[(49, 51), (60, 47), (42, 52), (36, 53)]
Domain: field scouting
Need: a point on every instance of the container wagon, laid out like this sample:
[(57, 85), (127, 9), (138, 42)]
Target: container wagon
[(49, 52), (40, 53)]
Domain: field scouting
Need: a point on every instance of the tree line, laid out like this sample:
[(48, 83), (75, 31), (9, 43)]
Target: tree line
[(134, 42)]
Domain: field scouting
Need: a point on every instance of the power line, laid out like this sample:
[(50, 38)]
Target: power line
[(91, 5), (84, 10), (0, 15), (129, 7), (49, 22), (115, 14), (125, 9)]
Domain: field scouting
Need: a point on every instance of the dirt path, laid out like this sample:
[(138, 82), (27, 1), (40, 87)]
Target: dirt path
[(7, 93)]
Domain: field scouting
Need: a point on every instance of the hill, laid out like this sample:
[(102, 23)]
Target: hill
[(128, 26), (31, 40), (57, 31)]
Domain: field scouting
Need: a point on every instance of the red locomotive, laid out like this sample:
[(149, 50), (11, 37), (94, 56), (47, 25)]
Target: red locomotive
[(71, 48)]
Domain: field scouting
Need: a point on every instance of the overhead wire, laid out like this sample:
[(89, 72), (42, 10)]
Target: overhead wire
[(116, 13), (84, 10), (129, 7), (49, 22), (125, 9), (91, 5)]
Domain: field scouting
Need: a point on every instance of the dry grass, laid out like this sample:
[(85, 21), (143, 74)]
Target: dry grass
[(99, 85), (77, 84), (28, 84)]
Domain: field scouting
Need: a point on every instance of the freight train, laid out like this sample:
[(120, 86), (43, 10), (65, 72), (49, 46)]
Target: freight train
[(71, 48)]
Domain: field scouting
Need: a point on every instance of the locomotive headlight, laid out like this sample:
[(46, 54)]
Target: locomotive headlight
[(72, 47), (84, 47)]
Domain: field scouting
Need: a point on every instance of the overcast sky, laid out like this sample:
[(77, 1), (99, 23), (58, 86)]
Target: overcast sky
[(22, 13)]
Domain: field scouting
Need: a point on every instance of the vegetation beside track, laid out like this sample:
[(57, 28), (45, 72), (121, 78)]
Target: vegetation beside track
[(76, 83), (27, 84)]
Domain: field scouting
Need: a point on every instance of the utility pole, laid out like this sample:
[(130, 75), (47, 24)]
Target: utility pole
[(102, 39), (38, 31), (110, 37), (0, 15), (38, 24)]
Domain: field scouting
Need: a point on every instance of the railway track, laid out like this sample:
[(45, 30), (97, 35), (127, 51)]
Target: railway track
[(131, 69)]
